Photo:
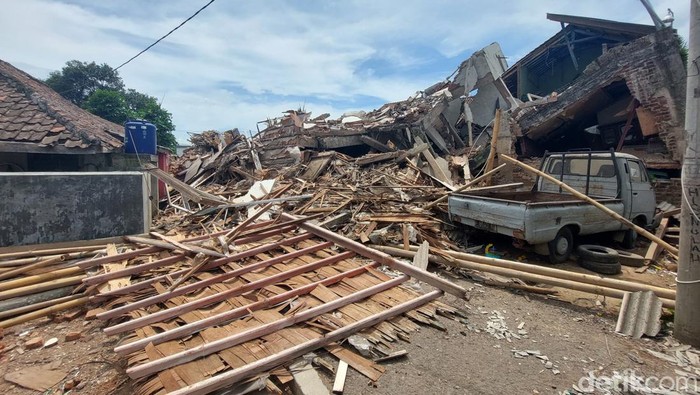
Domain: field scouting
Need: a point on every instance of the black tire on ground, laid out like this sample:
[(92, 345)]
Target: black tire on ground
[(561, 247), (630, 259), (589, 252), (601, 267)]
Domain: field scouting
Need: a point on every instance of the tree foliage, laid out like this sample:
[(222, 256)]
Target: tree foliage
[(77, 80), (100, 90)]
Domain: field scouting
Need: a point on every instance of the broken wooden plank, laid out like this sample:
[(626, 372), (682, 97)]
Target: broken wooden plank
[(494, 140), (466, 186), (384, 258), (259, 331), (393, 355), (363, 365), (420, 260), (166, 245), (193, 327), (238, 374), (341, 373), (654, 249)]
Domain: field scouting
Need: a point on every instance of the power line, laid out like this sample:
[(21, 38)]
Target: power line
[(169, 33)]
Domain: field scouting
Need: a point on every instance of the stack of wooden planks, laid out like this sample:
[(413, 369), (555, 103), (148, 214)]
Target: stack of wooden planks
[(197, 323)]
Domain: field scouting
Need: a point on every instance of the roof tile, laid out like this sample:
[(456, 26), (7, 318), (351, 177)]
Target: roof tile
[(46, 118)]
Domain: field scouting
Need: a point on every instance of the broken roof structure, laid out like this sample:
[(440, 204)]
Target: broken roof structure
[(34, 118), (619, 85)]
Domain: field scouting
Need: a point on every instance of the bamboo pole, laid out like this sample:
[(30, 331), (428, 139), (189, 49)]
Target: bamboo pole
[(465, 186), (494, 142), (558, 273), (525, 276), (37, 306), (43, 312), (587, 199), (51, 251), (66, 257), (30, 289), (24, 281), (24, 269)]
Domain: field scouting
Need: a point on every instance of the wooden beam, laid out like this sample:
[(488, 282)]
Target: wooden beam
[(236, 375), (169, 245), (195, 326), (653, 251), (587, 199), (218, 297), (375, 144), (258, 331), (26, 268), (465, 186), (37, 306), (212, 280), (494, 141), (437, 170), (253, 251), (384, 259), (238, 229)]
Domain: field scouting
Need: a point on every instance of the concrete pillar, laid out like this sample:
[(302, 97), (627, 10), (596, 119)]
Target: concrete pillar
[(687, 315)]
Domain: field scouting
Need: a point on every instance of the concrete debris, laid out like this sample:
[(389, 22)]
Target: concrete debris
[(549, 365), (497, 327)]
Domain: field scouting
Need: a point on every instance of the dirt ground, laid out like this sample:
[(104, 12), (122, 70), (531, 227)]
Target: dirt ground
[(575, 333)]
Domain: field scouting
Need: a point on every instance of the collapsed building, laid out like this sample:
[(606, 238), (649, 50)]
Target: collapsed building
[(596, 84), (620, 86)]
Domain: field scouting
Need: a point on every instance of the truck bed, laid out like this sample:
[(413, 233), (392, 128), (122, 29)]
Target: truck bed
[(531, 216), (525, 196)]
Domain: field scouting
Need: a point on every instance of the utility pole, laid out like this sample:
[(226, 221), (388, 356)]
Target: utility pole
[(687, 317)]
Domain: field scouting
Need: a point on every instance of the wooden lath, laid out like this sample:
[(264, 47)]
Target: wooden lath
[(283, 293)]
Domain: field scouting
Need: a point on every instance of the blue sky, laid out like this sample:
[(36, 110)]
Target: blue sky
[(240, 62)]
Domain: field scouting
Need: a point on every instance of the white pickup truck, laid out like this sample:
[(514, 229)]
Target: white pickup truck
[(549, 219)]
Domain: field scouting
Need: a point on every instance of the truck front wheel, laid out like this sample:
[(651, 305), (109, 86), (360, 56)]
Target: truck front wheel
[(561, 247)]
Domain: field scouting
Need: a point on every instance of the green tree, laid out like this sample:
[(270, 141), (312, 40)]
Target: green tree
[(100, 90), (77, 80), (109, 105)]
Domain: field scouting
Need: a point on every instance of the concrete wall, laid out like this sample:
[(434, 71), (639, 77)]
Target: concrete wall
[(14, 161), (56, 207)]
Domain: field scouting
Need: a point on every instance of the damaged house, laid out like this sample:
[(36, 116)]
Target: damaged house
[(64, 175), (619, 86)]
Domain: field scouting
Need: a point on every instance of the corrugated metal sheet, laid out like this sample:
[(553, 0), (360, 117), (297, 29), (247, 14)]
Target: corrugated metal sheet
[(640, 314)]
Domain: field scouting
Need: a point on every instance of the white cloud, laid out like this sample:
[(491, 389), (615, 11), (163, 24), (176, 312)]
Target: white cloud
[(273, 50)]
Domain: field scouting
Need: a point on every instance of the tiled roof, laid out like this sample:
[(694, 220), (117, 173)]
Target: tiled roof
[(36, 118)]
